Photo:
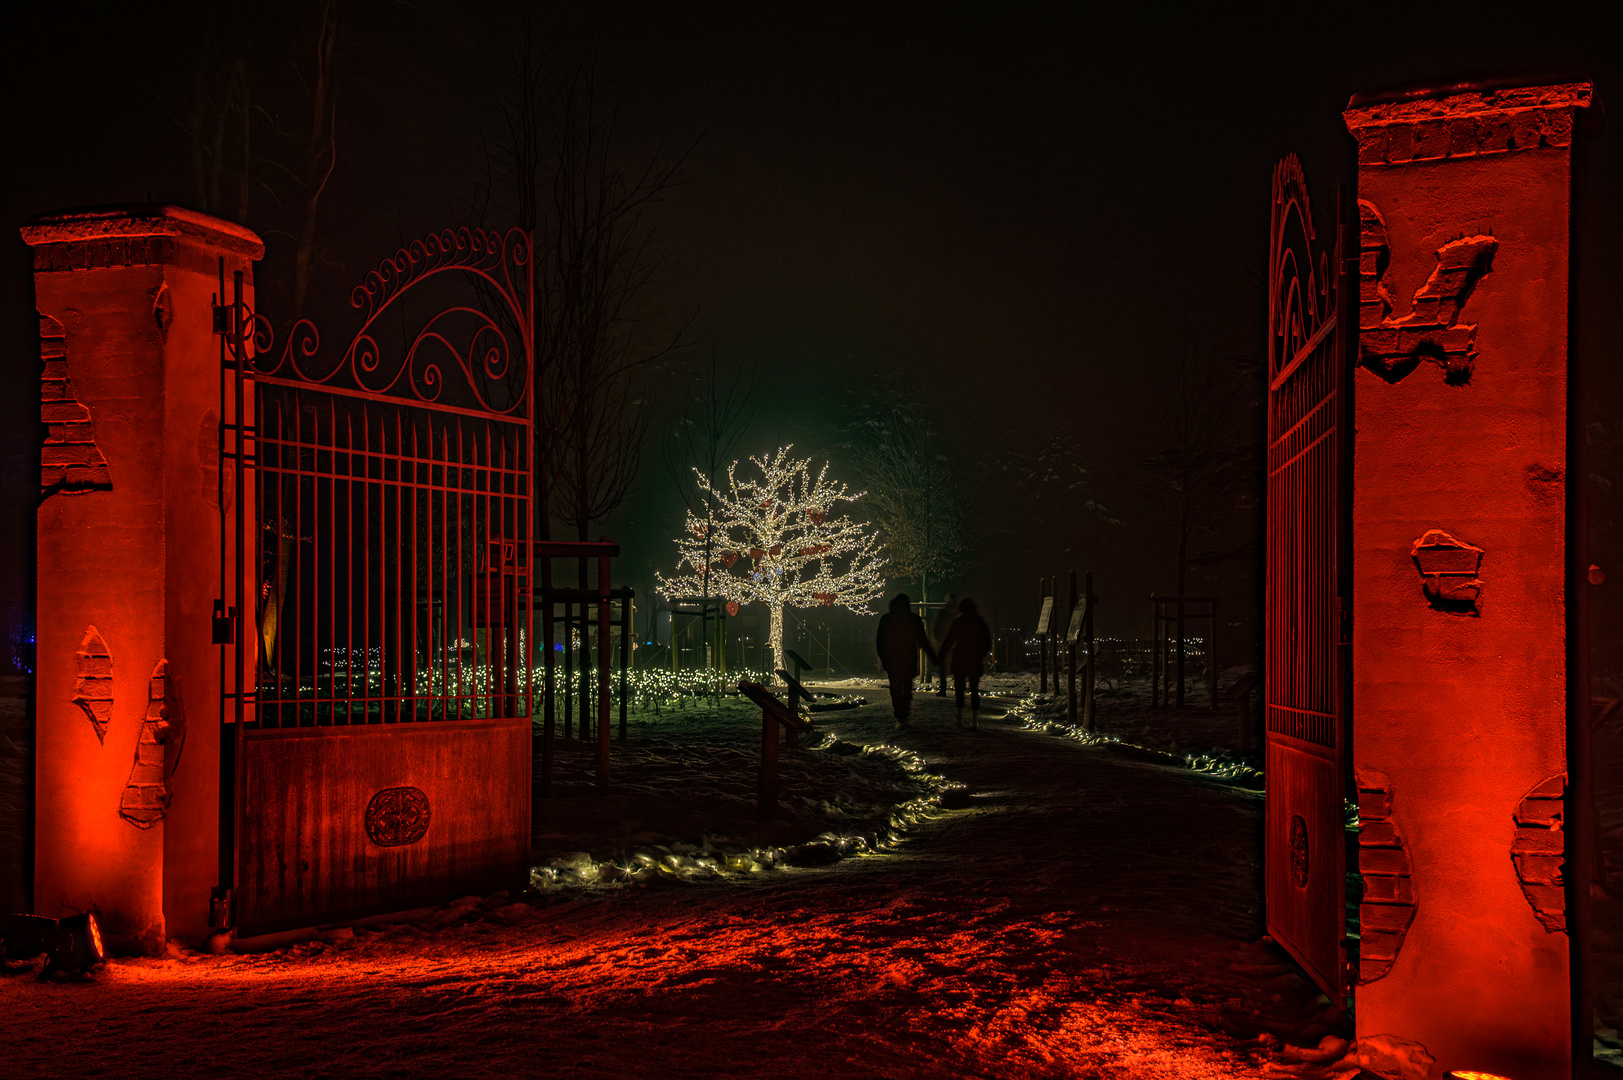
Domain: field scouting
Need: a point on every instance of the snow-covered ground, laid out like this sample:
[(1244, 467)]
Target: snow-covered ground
[(1083, 915)]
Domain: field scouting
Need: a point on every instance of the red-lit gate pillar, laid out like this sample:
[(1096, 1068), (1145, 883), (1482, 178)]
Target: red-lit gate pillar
[(1459, 662), (127, 677)]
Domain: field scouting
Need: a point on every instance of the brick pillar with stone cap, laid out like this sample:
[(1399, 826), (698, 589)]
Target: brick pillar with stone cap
[(127, 678), (1460, 670)]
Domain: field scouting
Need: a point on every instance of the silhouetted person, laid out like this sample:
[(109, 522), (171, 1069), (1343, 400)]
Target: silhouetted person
[(964, 651), (938, 633), (901, 636)]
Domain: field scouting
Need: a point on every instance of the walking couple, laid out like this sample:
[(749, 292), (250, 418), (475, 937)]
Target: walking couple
[(963, 653)]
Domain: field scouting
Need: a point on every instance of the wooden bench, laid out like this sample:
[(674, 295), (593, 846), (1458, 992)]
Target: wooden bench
[(774, 715)]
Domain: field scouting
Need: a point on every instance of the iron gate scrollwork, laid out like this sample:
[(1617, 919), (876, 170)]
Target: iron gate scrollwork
[(382, 649), (1308, 325)]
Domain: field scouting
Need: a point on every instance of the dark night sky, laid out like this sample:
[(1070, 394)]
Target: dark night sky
[(1021, 209)]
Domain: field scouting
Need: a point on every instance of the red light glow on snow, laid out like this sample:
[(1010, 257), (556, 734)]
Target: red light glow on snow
[(891, 979)]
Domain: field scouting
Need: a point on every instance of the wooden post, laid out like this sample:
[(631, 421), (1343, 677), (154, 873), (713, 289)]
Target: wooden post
[(1155, 653), (603, 661), (1087, 644), (627, 642), (773, 716), (1243, 704), (1070, 659), (766, 802), (587, 730), (704, 647), (1178, 701), (549, 632), (721, 637), (1211, 655), (1053, 636), (791, 737), (1042, 644), (569, 668)]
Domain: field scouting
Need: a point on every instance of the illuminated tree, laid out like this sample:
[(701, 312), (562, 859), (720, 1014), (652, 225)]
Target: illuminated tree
[(775, 538)]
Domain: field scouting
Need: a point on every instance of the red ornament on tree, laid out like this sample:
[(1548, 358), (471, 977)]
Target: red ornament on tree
[(732, 607), (728, 558)]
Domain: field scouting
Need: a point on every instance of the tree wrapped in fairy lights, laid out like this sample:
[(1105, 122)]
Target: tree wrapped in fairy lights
[(775, 538)]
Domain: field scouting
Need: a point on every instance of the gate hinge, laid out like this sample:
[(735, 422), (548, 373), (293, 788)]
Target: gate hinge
[(222, 319), (224, 624), (1349, 959), (1343, 623), (222, 909)]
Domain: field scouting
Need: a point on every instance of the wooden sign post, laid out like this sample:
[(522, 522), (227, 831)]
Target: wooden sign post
[(1073, 634), (1087, 645), (1044, 620)]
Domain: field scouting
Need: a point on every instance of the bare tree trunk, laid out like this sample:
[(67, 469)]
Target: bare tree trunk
[(322, 150), (219, 117), (775, 635)]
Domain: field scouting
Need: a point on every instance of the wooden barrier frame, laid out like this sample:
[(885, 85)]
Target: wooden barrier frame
[(801, 666), (542, 553), (773, 712)]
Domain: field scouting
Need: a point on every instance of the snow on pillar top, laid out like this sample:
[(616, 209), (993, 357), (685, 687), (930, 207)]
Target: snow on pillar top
[(137, 234), (1463, 120)]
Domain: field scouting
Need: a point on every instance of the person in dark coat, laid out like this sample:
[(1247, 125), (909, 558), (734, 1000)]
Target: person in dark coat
[(964, 653), (900, 639)]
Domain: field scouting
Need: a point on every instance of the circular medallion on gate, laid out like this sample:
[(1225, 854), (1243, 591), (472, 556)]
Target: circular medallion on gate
[(1298, 852), (397, 816)]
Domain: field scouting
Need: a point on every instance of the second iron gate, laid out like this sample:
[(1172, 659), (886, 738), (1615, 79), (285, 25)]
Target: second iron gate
[(1304, 668)]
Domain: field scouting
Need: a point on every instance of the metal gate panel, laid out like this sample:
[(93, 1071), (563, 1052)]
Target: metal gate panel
[(346, 821), (1303, 674), (380, 732)]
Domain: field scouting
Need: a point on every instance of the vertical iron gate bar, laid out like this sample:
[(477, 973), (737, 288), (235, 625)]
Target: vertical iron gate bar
[(359, 557), (548, 689), (239, 540), (219, 908), (288, 457), (349, 568), (1348, 254), (453, 561), (568, 680), (603, 729)]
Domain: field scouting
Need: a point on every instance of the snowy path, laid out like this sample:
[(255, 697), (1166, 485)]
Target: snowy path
[(1089, 916)]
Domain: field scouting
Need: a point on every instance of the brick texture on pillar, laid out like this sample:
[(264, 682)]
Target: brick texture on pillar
[(1459, 669), (129, 556)]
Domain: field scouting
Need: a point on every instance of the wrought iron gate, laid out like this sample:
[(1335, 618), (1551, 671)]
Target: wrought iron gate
[(377, 745), (1304, 668)]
